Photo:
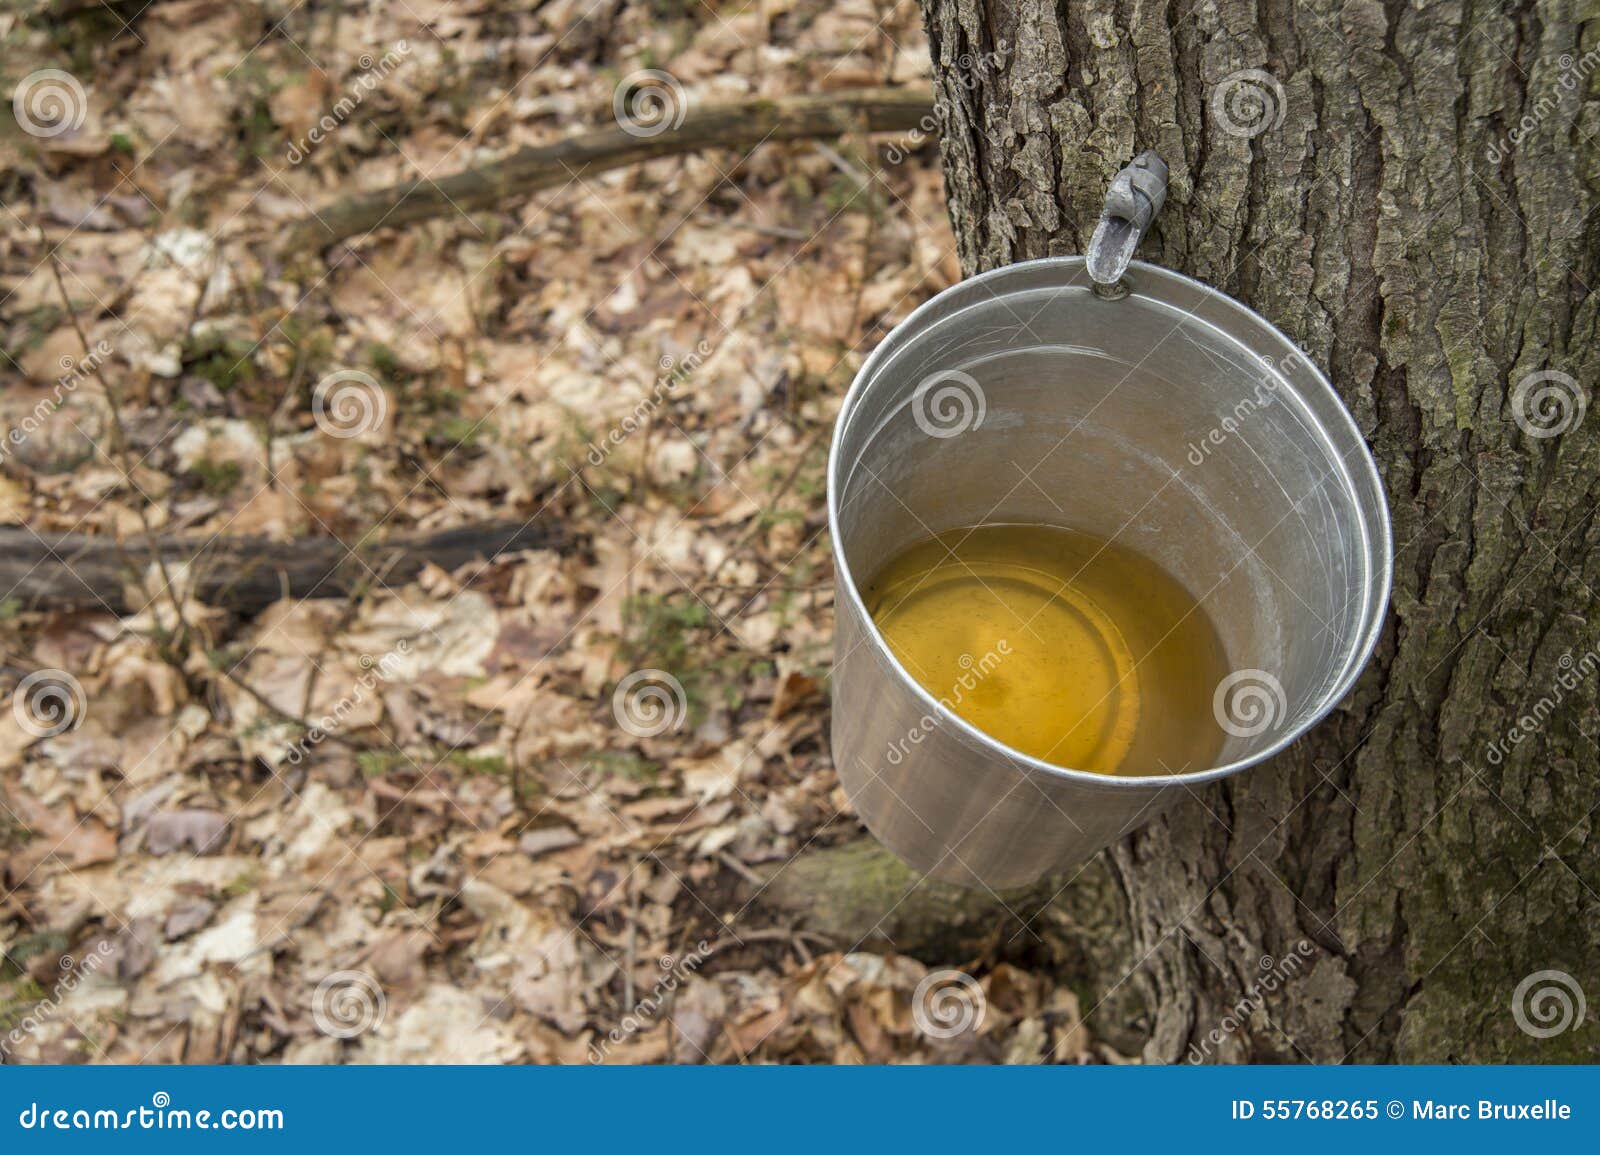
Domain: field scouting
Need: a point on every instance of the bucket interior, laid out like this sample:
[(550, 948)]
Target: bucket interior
[(1172, 421)]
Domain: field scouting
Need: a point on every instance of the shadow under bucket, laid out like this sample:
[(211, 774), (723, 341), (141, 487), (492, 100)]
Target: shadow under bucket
[(1164, 416)]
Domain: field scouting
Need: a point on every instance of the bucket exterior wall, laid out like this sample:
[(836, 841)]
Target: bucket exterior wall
[(1175, 421)]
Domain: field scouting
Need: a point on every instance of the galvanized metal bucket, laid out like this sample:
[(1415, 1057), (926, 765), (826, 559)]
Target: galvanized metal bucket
[(1137, 405)]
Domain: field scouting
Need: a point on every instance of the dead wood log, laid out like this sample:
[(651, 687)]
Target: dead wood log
[(739, 124), (245, 574), (861, 897)]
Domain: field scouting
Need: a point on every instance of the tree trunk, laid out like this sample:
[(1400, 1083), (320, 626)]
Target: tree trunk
[(1422, 850)]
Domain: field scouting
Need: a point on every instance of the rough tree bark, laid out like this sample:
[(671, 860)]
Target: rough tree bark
[(1430, 257), (1429, 247)]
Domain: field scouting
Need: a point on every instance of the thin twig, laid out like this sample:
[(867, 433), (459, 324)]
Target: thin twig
[(740, 869), (783, 487), (119, 445)]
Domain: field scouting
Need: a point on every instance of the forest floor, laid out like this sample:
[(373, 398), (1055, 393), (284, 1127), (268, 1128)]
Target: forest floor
[(438, 820)]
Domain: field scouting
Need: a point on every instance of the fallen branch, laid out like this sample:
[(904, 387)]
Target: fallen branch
[(860, 895), (245, 574), (741, 124)]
